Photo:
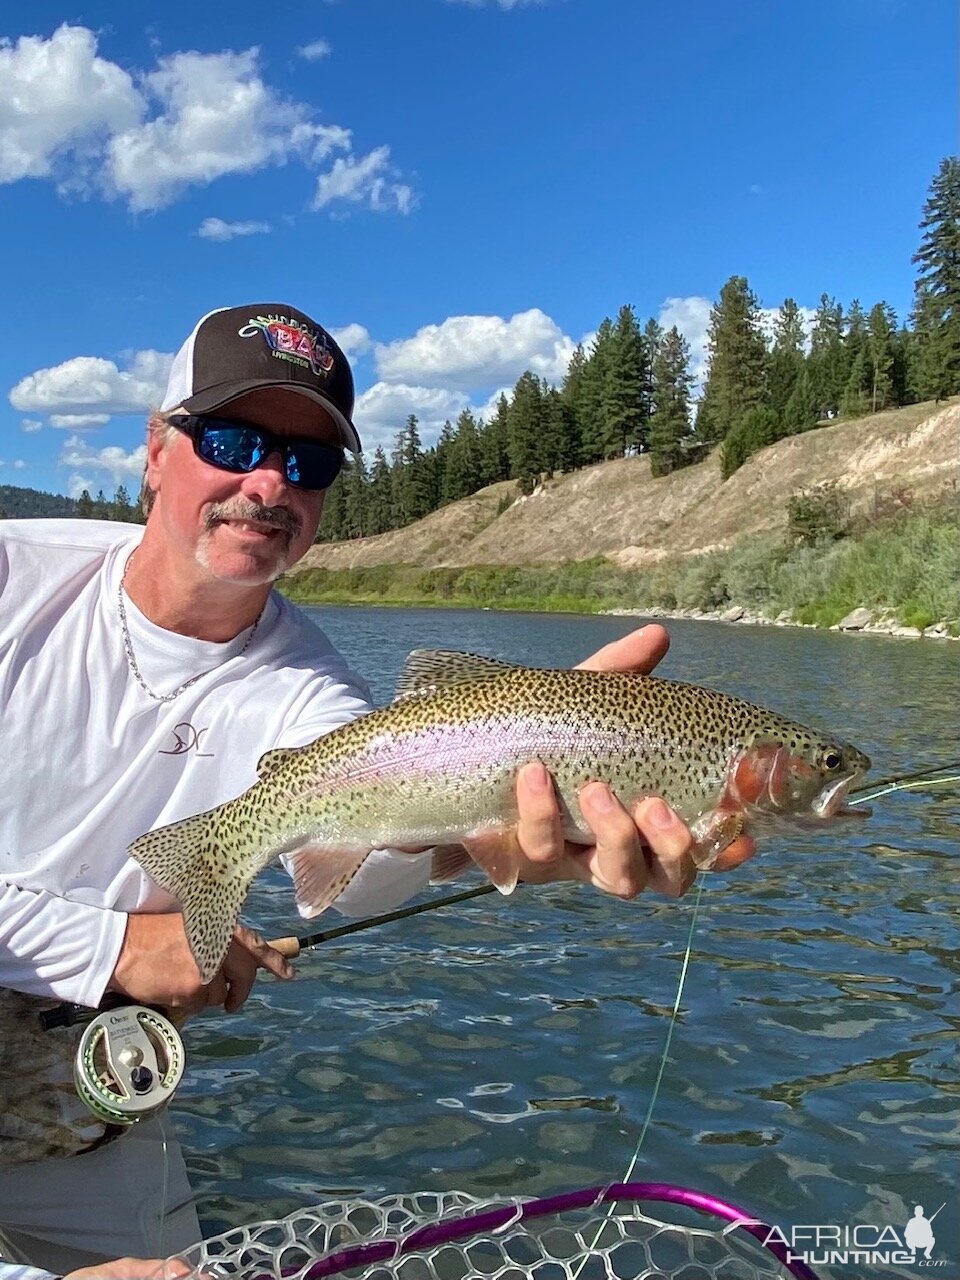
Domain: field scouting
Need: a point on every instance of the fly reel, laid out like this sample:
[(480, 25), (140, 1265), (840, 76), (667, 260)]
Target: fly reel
[(128, 1065)]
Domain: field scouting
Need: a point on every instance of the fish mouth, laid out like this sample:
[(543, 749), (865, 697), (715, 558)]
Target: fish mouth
[(832, 800)]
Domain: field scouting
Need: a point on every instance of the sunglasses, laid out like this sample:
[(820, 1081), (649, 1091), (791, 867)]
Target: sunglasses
[(240, 448)]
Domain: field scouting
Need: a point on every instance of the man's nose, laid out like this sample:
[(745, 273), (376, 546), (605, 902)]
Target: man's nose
[(267, 482)]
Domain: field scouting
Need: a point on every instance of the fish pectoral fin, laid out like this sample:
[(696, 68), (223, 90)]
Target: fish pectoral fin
[(496, 852), (448, 862), (320, 874), (713, 832)]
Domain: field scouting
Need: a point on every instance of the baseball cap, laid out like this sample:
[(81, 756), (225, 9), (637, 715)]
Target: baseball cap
[(234, 350)]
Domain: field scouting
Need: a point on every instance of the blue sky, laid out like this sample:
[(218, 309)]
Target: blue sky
[(458, 189)]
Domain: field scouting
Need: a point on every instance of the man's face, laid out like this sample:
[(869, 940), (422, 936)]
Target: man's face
[(247, 528)]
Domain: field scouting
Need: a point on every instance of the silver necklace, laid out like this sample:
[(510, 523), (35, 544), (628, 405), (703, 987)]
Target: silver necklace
[(132, 658)]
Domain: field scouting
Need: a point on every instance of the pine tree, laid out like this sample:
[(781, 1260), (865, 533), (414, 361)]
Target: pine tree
[(380, 494), (591, 408), (625, 398), (939, 280), (441, 451), (571, 390), (738, 359), (802, 410), (84, 505), (122, 509), (101, 507), (412, 482), (670, 423), (826, 360), (855, 399), (356, 486), (333, 516), (494, 449), (786, 357), (930, 371), (757, 428), (525, 427), (881, 330), (463, 470), (561, 431)]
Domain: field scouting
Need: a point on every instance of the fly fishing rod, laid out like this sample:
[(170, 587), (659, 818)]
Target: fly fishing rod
[(67, 1015)]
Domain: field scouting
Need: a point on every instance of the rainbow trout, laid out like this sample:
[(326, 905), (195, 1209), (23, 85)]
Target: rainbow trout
[(437, 769)]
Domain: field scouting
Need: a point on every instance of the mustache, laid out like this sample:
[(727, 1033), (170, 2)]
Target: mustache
[(240, 509)]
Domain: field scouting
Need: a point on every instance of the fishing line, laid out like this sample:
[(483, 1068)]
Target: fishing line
[(905, 786)]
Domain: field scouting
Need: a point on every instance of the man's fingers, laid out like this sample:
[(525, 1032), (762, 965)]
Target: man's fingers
[(672, 869), (617, 865), (265, 956), (538, 829), (639, 651)]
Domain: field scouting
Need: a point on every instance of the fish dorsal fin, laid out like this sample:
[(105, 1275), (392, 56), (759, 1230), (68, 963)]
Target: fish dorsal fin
[(272, 760), (427, 670)]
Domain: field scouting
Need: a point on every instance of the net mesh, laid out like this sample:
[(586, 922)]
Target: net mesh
[(452, 1236)]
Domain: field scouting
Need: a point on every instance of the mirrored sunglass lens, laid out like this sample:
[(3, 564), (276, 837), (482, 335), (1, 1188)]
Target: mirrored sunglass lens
[(313, 466), (233, 448)]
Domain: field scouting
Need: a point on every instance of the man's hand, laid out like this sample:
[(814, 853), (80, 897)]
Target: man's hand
[(156, 966), (132, 1269), (647, 848)]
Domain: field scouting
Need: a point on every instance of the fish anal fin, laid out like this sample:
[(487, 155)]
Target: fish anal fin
[(713, 832), (496, 852), (427, 670), (448, 862), (321, 873)]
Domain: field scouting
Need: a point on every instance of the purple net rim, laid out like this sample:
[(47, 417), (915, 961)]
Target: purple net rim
[(452, 1229)]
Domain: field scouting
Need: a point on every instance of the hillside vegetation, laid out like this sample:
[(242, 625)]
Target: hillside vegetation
[(884, 534)]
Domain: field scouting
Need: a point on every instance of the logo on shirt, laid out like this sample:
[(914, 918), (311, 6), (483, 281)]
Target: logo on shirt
[(186, 738)]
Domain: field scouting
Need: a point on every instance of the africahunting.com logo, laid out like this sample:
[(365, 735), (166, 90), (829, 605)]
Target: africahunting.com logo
[(864, 1244)]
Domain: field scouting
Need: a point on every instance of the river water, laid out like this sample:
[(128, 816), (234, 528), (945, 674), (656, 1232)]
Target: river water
[(511, 1046)]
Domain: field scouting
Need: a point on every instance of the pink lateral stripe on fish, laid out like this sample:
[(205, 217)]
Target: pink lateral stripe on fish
[(437, 767)]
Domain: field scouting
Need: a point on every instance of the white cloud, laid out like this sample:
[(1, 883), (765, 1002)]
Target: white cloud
[(315, 50), (382, 410), (68, 114), (19, 464), (692, 317), (30, 425), (58, 97), (79, 421), (353, 339), (77, 483), (500, 4), (120, 465), (216, 117), (92, 385), (217, 229), (479, 351), (364, 180)]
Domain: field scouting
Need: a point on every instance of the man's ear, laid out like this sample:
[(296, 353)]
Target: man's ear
[(156, 448)]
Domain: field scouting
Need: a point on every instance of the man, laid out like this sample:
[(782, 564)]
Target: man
[(142, 676)]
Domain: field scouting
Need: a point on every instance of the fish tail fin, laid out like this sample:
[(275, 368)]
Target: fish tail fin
[(187, 860)]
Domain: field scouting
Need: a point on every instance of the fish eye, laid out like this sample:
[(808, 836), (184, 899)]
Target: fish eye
[(832, 760)]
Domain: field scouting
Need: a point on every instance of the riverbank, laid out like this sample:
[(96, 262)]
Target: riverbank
[(858, 622), (895, 577)]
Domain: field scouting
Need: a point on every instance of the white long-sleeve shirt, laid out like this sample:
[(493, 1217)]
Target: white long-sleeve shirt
[(91, 761)]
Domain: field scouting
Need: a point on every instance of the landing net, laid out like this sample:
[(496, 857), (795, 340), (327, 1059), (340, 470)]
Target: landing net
[(598, 1233)]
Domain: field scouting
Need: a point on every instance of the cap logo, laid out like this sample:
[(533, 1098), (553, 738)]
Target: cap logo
[(289, 339)]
